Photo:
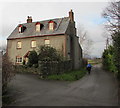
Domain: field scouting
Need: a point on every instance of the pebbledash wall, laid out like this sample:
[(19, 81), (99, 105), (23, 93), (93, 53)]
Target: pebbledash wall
[(58, 42)]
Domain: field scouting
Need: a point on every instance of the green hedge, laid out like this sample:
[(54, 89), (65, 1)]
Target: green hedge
[(26, 69), (54, 67), (109, 60)]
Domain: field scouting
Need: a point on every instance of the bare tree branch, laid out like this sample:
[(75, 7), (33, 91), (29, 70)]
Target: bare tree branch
[(85, 41), (112, 14)]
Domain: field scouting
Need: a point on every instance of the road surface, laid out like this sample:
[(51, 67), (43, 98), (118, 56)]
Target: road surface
[(98, 89)]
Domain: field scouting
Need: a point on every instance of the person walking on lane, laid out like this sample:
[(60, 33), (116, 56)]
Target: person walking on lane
[(89, 66)]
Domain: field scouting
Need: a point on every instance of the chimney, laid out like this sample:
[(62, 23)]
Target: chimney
[(29, 20), (71, 15)]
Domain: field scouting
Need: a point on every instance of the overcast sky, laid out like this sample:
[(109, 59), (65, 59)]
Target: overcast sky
[(87, 14)]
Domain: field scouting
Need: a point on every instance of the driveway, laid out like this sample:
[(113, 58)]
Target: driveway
[(98, 89)]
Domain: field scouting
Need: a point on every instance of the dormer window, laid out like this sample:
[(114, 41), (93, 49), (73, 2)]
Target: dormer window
[(21, 28), (37, 26), (51, 25)]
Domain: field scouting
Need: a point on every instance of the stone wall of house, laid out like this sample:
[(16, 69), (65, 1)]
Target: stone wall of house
[(74, 47), (58, 42), (77, 54)]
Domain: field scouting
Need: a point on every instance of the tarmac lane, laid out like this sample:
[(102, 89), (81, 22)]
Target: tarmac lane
[(100, 88)]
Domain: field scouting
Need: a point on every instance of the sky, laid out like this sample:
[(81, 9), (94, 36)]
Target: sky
[(86, 13)]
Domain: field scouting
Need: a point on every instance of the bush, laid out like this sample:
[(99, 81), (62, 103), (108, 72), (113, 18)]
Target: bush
[(54, 67), (32, 58), (25, 69), (51, 61), (109, 59), (8, 72), (47, 53), (35, 65)]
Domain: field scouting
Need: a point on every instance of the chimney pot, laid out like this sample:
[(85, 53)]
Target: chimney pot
[(29, 19)]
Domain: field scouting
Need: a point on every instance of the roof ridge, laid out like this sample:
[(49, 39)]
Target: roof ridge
[(46, 20)]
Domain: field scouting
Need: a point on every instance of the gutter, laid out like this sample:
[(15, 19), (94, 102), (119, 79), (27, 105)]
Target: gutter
[(34, 36)]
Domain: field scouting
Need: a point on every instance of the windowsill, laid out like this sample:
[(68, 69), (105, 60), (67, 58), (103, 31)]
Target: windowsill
[(33, 47), (18, 63)]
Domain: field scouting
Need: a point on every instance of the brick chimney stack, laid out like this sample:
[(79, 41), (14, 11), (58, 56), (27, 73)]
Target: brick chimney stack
[(71, 15), (29, 20)]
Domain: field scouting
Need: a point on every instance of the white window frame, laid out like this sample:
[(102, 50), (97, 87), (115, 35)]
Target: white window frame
[(47, 42), (18, 59), (37, 27), (33, 43), (51, 26), (20, 29), (19, 45)]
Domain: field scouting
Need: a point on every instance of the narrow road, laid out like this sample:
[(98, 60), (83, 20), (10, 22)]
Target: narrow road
[(98, 89)]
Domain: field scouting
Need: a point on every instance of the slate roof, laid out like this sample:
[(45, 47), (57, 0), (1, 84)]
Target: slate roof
[(61, 27)]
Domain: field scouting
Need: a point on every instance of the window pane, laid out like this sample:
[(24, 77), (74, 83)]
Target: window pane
[(38, 27), (50, 26), (18, 59), (47, 42), (19, 44), (33, 44), (19, 29)]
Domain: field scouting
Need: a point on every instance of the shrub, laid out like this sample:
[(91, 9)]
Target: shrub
[(109, 59), (7, 72), (47, 53), (51, 61), (32, 58), (35, 65)]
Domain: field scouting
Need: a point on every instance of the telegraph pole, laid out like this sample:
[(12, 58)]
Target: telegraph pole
[(107, 43)]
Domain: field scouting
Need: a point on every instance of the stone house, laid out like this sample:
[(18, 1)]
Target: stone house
[(59, 33)]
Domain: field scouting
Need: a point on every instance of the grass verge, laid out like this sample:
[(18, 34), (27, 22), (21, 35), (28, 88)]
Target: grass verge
[(68, 76)]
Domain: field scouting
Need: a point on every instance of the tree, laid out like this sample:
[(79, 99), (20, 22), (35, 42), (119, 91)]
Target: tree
[(8, 72), (50, 60), (108, 59), (116, 44), (32, 58), (112, 14), (85, 41), (49, 53), (3, 49)]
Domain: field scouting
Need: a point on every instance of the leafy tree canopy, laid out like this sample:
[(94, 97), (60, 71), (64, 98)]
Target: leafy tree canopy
[(49, 53)]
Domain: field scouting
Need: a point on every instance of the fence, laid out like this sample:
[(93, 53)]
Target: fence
[(54, 67)]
